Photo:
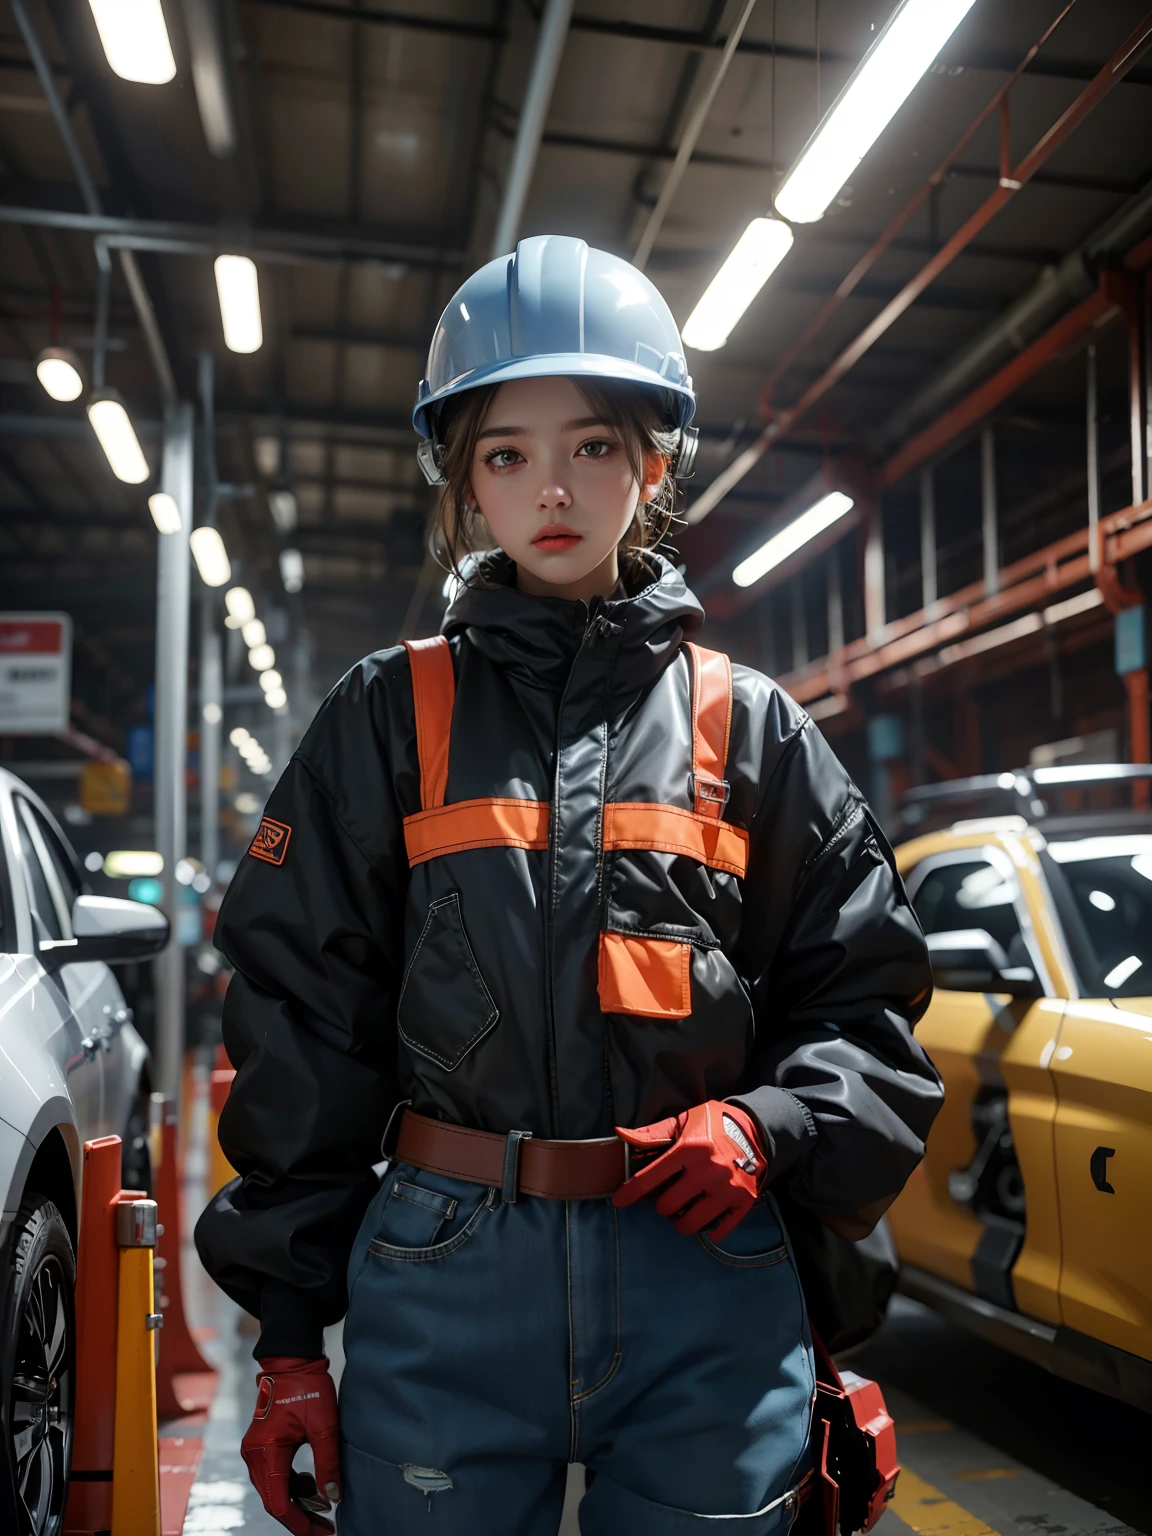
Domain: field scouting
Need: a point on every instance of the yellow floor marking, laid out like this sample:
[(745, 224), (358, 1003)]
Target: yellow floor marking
[(932, 1513), (988, 1475), (921, 1426)]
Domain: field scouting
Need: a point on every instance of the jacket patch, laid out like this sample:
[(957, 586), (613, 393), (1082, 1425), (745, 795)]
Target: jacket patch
[(647, 977), (271, 841)]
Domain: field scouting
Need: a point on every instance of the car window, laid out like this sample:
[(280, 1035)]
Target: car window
[(62, 862), (1109, 882), (972, 893), (46, 919)]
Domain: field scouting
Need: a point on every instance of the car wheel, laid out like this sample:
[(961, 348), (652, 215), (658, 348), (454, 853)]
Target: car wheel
[(135, 1153), (37, 1365)]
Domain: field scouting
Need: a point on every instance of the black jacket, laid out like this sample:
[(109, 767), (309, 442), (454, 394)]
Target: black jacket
[(468, 983)]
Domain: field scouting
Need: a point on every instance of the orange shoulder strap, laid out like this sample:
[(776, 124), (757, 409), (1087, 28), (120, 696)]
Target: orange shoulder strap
[(711, 725), (434, 690)]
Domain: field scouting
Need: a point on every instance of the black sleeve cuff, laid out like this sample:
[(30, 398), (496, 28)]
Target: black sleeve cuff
[(787, 1129), (290, 1324)]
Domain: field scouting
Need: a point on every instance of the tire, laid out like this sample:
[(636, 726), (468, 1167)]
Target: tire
[(38, 1367), (135, 1153)]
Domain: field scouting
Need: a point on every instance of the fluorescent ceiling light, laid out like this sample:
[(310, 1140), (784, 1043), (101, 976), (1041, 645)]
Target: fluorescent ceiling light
[(210, 555), (238, 736), (883, 81), (135, 39), (165, 512), (755, 256), (292, 569), (58, 369), (271, 680), (282, 505), (126, 863), (1119, 974), (239, 293), (241, 608), (276, 698), (261, 657), (828, 510), (117, 436), (212, 714), (254, 632)]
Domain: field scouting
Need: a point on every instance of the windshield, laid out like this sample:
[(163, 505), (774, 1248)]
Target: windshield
[(1109, 881)]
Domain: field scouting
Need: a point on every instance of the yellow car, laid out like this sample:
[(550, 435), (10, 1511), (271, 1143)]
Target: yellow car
[(1030, 1218)]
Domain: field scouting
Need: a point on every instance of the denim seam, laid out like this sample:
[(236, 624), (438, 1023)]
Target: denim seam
[(619, 1354), (763, 1260), (427, 1199), (438, 1250), (573, 1403)]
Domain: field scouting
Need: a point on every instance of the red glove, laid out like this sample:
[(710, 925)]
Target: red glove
[(295, 1402), (709, 1177)]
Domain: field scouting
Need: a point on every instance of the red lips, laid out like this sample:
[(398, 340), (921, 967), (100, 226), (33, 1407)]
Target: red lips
[(556, 537)]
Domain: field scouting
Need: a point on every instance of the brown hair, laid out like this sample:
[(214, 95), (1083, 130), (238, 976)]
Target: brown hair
[(633, 412)]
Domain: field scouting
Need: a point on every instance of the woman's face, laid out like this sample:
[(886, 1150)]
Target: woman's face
[(554, 485)]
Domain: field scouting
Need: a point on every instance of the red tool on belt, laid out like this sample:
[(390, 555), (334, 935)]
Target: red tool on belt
[(854, 1466)]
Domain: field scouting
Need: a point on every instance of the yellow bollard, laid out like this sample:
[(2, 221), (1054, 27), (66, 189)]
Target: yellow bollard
[(135, 1450)]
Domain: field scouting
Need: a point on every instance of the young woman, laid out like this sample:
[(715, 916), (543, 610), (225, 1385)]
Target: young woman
[(586, 932)]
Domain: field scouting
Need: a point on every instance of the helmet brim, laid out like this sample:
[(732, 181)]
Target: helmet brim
[(681, 402)]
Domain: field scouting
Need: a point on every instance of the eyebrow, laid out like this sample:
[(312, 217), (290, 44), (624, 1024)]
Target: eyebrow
[(568, 426)]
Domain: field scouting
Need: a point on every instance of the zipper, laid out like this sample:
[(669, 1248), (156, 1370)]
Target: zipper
[(597, 629)]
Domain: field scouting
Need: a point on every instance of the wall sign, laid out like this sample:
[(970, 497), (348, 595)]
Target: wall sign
[(35, 673)]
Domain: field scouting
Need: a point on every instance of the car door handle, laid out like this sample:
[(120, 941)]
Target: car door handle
[(89, 1047), (1098, 1168)]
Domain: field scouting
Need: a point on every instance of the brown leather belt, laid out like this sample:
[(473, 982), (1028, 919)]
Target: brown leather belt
[(516, 1164)]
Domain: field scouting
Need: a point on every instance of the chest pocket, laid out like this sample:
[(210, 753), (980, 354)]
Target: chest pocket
[(445, 1007), (643, 974)]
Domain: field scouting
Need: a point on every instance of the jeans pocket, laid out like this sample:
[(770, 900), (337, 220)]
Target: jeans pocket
[(445, 1007), (424, 1224), (757, 1242)]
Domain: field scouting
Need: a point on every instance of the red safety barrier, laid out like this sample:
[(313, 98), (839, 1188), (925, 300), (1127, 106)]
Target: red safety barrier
[(185, 1381), (97, 1290)]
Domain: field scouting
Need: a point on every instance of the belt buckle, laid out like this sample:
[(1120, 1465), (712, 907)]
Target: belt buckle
[(387, 1151), (509, 1184)]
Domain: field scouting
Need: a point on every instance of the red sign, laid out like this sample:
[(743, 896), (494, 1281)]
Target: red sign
[(35, 673), (32, 637)]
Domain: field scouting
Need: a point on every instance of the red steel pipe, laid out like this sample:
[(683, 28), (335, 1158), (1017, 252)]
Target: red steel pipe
[(1126, 56)]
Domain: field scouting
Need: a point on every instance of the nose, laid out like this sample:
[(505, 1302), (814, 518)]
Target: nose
[(551, 496)]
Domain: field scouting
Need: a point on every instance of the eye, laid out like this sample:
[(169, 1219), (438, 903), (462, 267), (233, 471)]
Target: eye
[(596, 448), (503, 458)]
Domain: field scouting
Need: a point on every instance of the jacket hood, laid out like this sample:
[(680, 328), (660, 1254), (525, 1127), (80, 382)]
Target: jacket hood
[(536, 638)]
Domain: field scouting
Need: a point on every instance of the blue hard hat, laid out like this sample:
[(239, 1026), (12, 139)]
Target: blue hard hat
[(556, 306)]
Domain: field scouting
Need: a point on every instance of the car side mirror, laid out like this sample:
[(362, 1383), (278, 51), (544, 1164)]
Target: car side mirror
[(107, 928), (971, 960)]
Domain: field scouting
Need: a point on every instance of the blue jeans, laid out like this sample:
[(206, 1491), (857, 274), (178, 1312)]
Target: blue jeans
[(489, 1344)]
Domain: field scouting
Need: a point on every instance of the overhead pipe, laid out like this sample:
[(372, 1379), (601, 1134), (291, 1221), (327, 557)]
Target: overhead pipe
[(537, 97), (1126, 56), (915, 202), (211, 76), (1055, 291), (687, 145), (132, 275)]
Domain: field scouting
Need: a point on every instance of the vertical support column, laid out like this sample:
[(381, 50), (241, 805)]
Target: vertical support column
[(1136, 382), (927, 541), (1146, 317), (1092, 425), (171, 726), (874, 601), (988, 510), (799, 622), (835, 602), (211, 716)]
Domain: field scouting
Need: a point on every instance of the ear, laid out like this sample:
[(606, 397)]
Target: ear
[(655, 468)]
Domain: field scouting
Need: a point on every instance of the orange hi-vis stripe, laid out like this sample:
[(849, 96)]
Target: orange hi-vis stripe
[(438, 828), (434, 691), (700, 834), (711, 728)]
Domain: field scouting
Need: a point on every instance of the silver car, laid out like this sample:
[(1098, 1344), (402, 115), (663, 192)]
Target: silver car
[(72, 1067)]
